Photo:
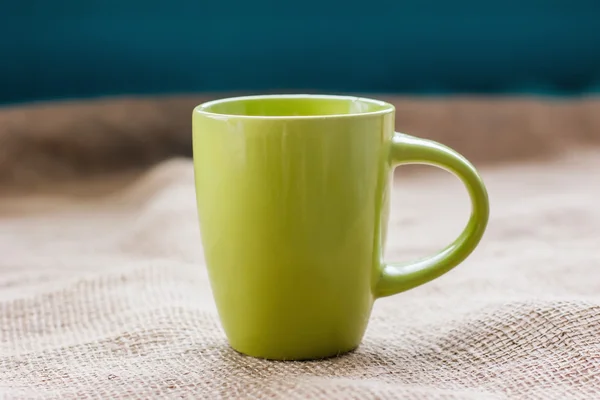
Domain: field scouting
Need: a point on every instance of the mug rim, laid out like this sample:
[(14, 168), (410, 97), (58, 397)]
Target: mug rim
[(205, 108)]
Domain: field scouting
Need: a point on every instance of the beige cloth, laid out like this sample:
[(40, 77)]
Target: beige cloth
[(103, 294)]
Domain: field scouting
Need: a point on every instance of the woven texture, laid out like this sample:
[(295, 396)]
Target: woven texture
[(103, 294)]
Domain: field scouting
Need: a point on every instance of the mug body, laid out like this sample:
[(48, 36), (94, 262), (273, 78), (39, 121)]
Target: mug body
[(292, 194)]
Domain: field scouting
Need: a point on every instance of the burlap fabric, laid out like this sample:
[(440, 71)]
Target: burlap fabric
[(103, 294)]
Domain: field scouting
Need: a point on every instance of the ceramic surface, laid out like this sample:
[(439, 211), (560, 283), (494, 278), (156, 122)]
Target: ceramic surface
[(293, 203)]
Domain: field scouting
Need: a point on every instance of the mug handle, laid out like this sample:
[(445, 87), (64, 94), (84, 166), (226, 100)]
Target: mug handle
[(405, 149)]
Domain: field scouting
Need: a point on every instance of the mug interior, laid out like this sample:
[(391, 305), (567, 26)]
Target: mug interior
[(295, 106)]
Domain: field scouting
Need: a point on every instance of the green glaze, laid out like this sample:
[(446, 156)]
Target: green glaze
[(293, 203)]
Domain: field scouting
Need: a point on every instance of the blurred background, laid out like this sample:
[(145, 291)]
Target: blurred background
[(79, 49), (96, 86)]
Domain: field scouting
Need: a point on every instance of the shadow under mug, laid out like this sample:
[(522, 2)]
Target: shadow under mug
[(293, 204)]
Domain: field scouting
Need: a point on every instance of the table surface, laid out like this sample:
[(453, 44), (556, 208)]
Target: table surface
[(104, 295)]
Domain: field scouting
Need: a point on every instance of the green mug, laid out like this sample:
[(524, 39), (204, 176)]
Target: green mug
[(293, 203)]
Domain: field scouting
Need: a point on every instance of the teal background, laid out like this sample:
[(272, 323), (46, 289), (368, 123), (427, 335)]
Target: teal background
[(74, 48)]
